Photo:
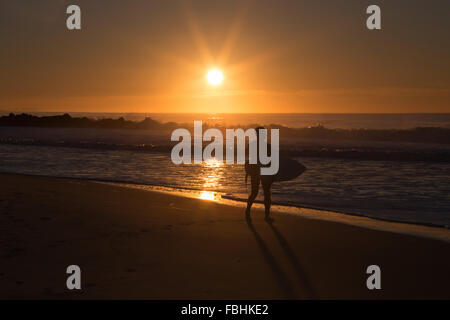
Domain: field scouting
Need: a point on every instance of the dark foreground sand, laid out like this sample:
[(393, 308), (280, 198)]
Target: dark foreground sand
[(138, 244)]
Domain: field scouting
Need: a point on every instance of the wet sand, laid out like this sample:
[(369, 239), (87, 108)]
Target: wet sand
[(135, 244)]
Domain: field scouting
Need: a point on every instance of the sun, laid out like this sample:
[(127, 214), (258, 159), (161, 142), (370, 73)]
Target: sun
[(214, 77)]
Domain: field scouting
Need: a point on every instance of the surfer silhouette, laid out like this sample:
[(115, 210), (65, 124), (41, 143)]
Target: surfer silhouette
[(254, 171)]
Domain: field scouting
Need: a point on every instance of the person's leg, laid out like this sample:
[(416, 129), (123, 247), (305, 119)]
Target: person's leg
[(267, 184), (254, 193)]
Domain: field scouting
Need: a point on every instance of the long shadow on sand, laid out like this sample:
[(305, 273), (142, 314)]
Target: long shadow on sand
[(302, 278), (283, 281)]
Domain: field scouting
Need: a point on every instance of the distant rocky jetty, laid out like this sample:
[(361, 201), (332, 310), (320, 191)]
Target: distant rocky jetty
[(67, 121), (415, 135)]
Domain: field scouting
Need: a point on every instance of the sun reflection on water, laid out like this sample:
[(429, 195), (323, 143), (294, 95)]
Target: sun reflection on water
[(207, 195), (213, 163), (211, 173)]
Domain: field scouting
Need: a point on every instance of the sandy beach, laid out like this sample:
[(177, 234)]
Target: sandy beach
[(135, 244)]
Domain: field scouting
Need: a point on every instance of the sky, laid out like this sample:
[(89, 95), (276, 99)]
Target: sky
[(300, 56)]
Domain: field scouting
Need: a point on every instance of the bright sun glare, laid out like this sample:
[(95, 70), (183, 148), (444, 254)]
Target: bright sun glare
[(206, 195), (215, 77)]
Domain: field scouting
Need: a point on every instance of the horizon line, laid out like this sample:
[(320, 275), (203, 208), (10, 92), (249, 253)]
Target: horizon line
[(219, 113)]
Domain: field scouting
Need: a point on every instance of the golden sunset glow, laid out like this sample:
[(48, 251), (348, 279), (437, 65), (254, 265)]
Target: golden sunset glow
[(225, 56), (215, 77)]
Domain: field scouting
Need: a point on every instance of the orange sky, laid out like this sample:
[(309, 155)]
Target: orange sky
[(276, 56)]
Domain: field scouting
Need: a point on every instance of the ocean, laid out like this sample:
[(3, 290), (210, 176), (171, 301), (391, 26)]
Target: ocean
[(407, 191)]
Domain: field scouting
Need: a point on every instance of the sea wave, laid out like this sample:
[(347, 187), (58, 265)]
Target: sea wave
[(436, 135), (312, 149)]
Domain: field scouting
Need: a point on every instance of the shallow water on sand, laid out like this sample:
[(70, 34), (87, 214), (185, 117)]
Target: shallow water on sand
[(403, 191)]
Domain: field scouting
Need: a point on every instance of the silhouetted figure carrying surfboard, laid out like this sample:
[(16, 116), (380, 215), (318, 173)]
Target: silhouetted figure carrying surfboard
[(289, 169), (254, 171)]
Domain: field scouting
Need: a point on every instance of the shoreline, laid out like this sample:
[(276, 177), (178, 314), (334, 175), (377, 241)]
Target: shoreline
[(425, 230), (428, 231), (136, 244)]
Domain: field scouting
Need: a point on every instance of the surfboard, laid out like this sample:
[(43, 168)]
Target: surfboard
[(289, 169)]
